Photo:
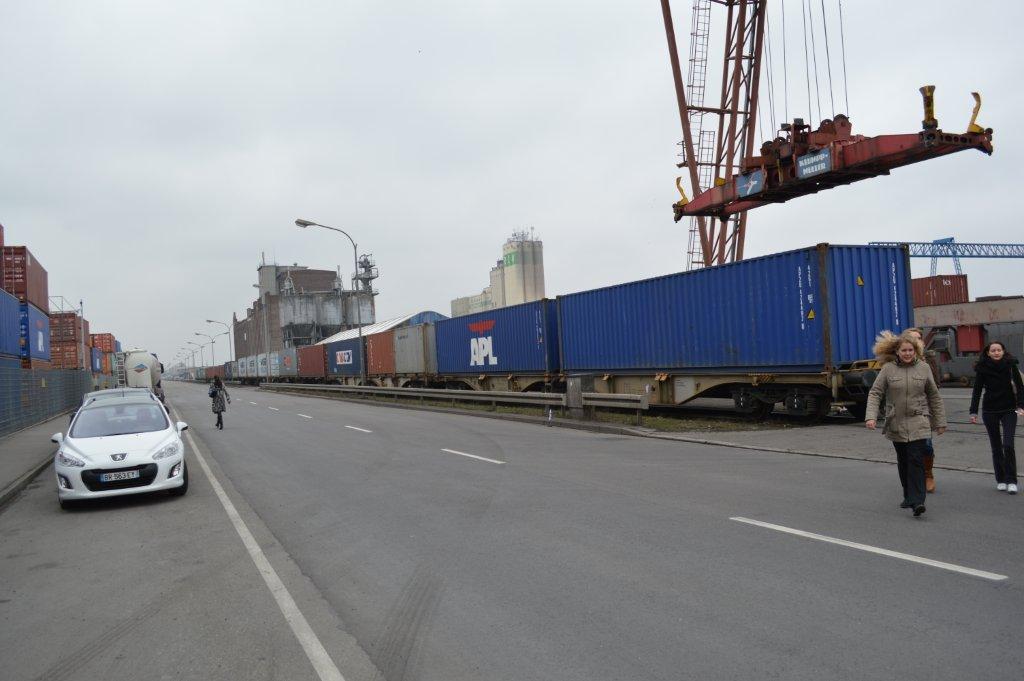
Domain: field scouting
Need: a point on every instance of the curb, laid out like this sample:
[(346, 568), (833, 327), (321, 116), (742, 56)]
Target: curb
[(617, 430), (21, 483)]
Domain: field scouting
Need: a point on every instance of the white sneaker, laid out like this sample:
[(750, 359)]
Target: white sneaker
[(1011, 488), (1001, 487)]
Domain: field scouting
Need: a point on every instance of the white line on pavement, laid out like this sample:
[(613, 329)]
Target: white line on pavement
[(305, 417), (361, 430), (874, 549), (311, 645), (252, 403), (274, 408), (472, 456)]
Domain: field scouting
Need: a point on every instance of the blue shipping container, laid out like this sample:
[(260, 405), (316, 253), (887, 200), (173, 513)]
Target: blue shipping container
[(97, 360), (10, 326), (344, 358), (518, 339), (117, 346), (797, 311), (34, 327)]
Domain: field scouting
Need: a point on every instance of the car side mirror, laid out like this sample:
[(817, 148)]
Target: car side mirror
[(57, 438), (182, 426)]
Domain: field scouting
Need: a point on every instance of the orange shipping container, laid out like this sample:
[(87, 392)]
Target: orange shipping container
[(947, 289), (969, 338), (380, 353)]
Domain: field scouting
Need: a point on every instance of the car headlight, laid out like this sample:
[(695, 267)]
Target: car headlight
[(68, 459), (173, 449)]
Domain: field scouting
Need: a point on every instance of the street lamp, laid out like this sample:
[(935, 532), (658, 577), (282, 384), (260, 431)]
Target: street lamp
[(213, 354), (355, 286), (231, 347), (201, 357)]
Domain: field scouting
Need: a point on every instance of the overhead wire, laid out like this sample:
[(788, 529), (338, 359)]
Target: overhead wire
[(771, 77), (828, 59), (842, 40)]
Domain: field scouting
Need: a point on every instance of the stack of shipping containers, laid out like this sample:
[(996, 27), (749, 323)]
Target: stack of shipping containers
[(26, 280), (70, 339)]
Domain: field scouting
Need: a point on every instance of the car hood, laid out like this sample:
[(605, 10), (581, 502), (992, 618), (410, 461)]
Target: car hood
[(137, 445)]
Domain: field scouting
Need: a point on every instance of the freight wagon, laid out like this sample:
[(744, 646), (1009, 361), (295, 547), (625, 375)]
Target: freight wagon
[(794, 327)]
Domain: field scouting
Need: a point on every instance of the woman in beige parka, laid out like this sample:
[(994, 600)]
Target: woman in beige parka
[(913, 409)]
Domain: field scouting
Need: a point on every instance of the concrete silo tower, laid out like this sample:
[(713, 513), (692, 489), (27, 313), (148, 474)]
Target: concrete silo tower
[(523, 260)]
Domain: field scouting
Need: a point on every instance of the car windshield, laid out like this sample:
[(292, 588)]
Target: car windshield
[(119, 419)]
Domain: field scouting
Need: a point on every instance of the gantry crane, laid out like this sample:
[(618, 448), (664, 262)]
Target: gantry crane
[(727, 179), (950, 248)]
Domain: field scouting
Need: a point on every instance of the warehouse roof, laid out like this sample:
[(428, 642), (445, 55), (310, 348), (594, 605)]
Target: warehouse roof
[(425, 317)]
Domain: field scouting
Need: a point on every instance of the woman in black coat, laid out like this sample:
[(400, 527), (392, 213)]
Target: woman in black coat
[(999, 378), (221, 400)]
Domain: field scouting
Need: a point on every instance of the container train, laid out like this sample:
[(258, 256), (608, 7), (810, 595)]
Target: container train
[(794, 327)]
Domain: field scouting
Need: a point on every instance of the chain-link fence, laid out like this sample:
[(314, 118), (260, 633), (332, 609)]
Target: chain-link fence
[(28, 397)]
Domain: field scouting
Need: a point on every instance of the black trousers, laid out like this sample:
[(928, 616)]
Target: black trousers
[(220, 418), (1004, 459), (910, 464)]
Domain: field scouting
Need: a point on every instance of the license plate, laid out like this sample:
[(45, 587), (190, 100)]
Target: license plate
[(118, 475)]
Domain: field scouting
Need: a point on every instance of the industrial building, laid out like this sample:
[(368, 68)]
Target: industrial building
[(300, 306), (517, 278)]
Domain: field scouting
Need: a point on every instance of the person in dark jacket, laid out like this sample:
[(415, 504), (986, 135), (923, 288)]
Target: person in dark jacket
[(997, 376), (913, 409), (221, 400)]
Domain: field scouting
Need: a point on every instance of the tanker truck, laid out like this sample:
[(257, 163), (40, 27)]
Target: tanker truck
[(139, 368)]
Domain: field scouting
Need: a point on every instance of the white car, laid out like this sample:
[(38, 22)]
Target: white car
[(117, 446)]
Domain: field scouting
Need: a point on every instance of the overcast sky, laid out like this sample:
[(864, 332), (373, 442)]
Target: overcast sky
[(152, 151)]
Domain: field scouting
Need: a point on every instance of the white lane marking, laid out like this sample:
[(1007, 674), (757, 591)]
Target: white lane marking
[(252, 403), (472, 456), (274, 408), (874, 549), (361, 430), (305, 417), (311, 645)]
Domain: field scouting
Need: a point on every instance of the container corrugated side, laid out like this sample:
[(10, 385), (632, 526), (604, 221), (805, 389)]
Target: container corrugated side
[(311, 361), (344, 357), (944, 289), (868, 292), (416, 350), (380, 353), (35, 333), (24, 277), (287, 364), (765, 313), (96, 363), (517, 339), (10, 325)]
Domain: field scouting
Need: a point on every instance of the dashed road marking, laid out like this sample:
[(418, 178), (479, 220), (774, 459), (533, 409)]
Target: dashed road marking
[(874, 549), (252, 403), (472, 456), (305, 417), (361, 430), (274, 408)]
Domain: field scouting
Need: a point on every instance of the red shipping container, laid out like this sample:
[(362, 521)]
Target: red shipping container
[(312, 361), (214, 371), (105, 363), (970, 338), (940, 290), (380, 353), (25, 278), (37, 364), (68, 327), (104, 342)]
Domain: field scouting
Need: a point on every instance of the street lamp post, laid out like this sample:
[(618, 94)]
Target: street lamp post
[(231, 347), (201, 357), (355, 287), (213, 355)]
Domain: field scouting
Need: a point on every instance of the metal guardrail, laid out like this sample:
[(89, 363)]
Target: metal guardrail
[(492, 396), (616, 401)]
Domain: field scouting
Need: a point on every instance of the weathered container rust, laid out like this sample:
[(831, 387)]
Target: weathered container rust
[(24, 277), (380, 353), (311, 361), (946, 289)]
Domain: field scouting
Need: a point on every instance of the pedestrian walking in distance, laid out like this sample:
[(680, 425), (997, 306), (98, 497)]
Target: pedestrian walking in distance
[(913, 409), (221, 400), (929, 457), (998, 377)]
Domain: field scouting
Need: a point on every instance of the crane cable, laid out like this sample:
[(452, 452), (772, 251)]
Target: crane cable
[(842, 39), (771, 79), (785, 67), (807, 64), (828, 59), (814, 54)]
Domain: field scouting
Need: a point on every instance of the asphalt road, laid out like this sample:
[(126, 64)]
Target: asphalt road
[(419, 545)]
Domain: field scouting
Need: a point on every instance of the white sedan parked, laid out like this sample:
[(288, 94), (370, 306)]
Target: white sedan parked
[(118, 446)]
